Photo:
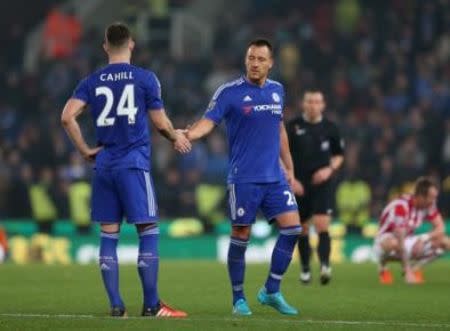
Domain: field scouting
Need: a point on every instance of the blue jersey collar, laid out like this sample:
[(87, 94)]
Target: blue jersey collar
[(255, 85)]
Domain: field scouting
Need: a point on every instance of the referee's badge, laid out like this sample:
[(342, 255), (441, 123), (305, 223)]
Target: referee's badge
[(299, 131), (276, 97)]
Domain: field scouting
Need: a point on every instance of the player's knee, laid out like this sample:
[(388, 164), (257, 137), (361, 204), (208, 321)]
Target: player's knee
[(447, 243), (417, 249), (144, 227), (435, 236), (110, 228), (291, 218), (321, 222), (438, 240), (443, 243), (241, 232), (390, 244), (305, 229)]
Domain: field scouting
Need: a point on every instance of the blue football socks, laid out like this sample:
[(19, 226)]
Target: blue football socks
[(148, 265), (281, 257), (236, 266), (109, 267)]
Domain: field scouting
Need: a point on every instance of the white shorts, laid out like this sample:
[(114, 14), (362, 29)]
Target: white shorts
[(409, 243)]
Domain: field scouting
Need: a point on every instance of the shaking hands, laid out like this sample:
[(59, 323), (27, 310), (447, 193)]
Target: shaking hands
[(181, 143)]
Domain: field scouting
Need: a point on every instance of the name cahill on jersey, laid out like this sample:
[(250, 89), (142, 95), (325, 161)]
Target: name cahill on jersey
[(120, 96), (112, 77)]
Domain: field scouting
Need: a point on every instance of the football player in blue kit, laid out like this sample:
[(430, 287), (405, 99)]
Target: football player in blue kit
[(252, 108), (121, 98)]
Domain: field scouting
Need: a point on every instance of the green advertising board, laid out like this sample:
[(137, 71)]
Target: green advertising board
[(66, 246)]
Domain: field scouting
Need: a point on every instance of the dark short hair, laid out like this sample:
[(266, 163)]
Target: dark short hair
[(117, 34), (423, 185), (261, 42), (312, 89)]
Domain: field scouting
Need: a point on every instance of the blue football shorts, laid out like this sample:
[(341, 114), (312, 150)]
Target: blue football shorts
[(245, 199), (123, 192)]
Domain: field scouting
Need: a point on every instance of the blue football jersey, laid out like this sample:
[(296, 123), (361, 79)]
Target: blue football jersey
[(252, 116), (120, 96)]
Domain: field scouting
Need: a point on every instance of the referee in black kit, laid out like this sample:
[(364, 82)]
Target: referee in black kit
[(317, 152)]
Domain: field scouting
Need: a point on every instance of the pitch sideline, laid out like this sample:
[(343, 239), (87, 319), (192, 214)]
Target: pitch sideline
[(228, 319)]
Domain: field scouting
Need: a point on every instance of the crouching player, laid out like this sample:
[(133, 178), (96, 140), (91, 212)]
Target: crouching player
[(396, 240)]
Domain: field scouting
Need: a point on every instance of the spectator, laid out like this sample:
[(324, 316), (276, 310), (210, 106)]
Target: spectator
[(62, 32), (383, 66), (42, 197), (353, 203)]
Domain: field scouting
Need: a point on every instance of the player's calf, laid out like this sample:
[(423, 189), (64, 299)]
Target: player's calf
[(281, 256), (390, 246), (304, 249), (424, 253), (441, 242), (322, 222), (109, 268), (148, 262), (446, 244), (236, 267), (386, 249), (417, 250)]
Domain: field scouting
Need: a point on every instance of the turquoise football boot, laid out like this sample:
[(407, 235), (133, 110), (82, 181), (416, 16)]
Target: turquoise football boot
[(241, 308), (276, 301)]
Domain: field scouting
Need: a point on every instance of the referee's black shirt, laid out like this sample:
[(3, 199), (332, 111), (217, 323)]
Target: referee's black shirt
[(312, 145)]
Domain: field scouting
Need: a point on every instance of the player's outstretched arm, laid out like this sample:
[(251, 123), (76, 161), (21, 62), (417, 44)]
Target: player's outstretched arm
[(285, 155), (437, 233), (323, 174), (337, 150), (336, 162), (73, 108), (164, 126), (200, 129), (438, 226)]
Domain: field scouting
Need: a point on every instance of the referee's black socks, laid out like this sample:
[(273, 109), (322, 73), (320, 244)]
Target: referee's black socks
[(305, 251), (324, 248)]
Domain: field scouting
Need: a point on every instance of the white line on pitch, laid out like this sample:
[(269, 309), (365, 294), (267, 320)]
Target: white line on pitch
[(228, 319), (46, 315)]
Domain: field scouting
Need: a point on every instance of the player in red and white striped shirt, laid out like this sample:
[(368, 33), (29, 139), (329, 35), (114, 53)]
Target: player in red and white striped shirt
[(396, 241)]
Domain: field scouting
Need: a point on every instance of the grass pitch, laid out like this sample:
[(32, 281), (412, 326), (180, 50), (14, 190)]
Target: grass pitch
[(38, 297)]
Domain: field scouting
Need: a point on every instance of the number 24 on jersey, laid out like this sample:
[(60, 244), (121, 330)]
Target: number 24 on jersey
[(125, 106)]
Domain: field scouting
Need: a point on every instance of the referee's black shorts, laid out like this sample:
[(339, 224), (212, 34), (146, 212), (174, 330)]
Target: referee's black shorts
[(317, 199)]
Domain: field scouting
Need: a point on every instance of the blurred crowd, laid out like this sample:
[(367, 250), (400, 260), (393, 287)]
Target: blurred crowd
[(383, 66)]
